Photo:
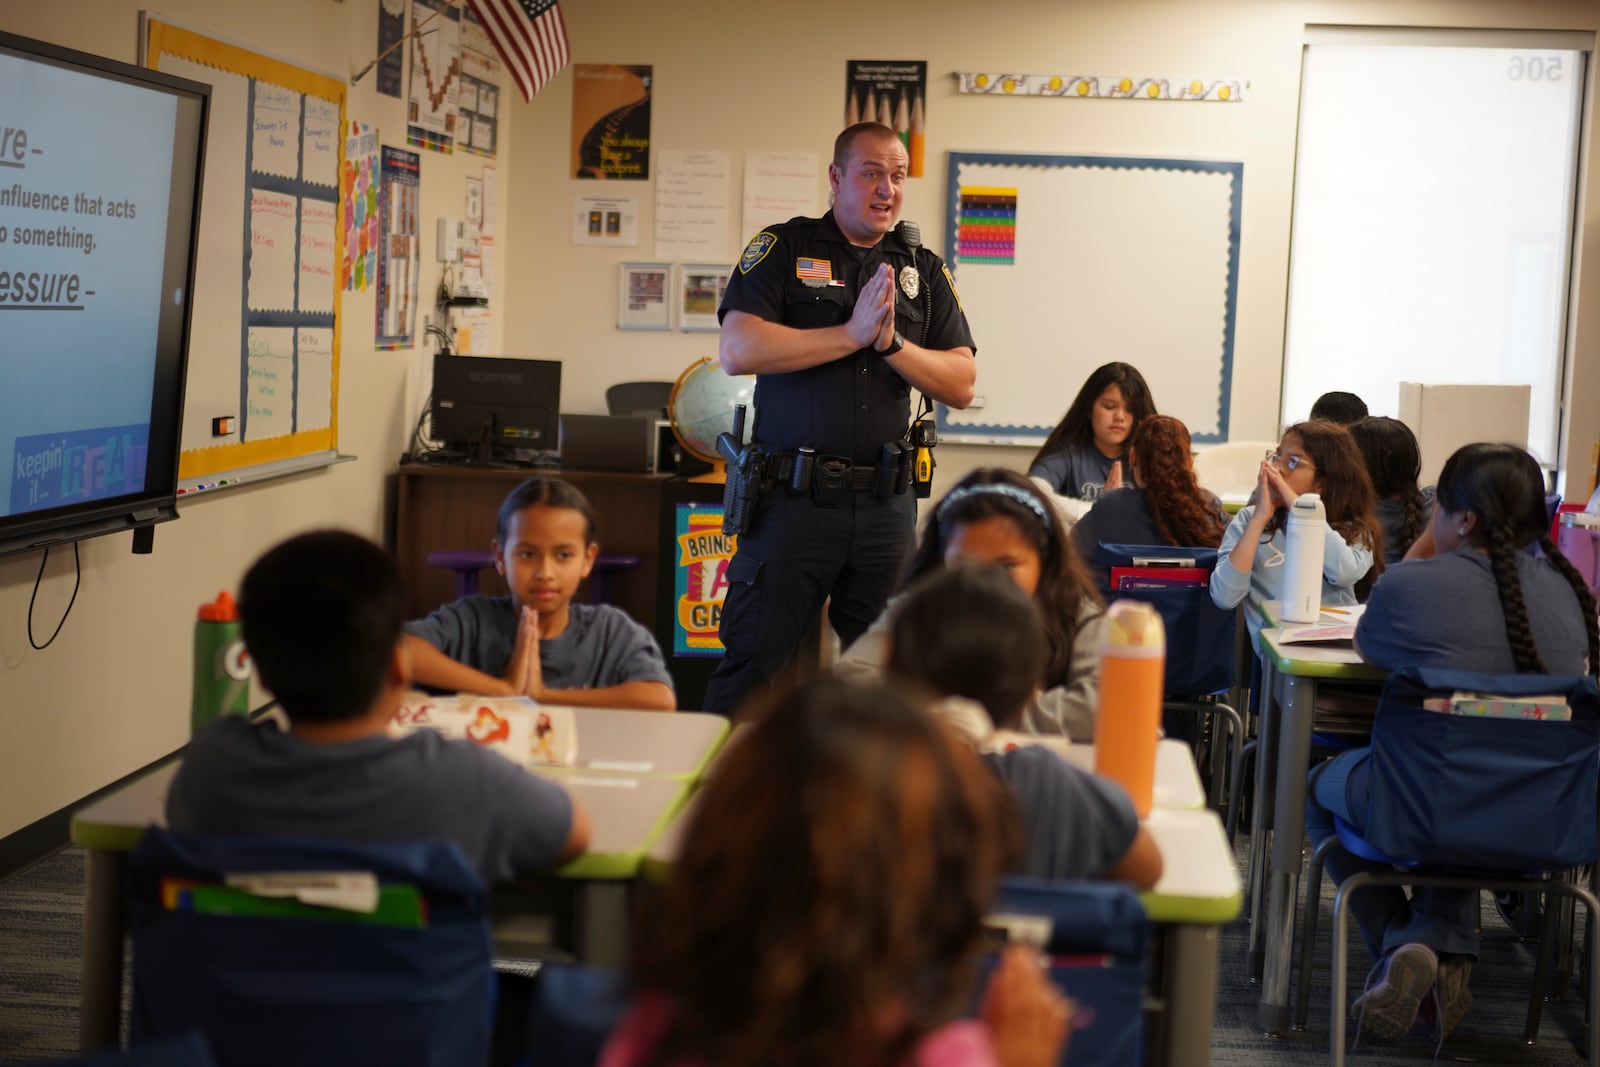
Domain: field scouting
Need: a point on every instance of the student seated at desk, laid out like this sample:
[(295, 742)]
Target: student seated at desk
[(981, 660), (1482, 604), (1395, 462), (536, 641), (1083, 456), (1312, 457), (998, 516), (826, 906), (322, 616), (1167, 508)]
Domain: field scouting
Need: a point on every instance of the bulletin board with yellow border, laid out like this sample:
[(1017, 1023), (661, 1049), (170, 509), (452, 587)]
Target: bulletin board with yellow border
[(264, 342)]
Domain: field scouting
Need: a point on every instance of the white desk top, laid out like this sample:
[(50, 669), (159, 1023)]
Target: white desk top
[(646, 743), (1199, 878), (1177, 782)]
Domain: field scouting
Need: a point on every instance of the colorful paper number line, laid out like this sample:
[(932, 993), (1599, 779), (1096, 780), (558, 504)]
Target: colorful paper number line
[(1098, 87)]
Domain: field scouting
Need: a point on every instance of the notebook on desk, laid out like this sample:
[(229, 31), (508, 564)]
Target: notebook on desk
[(608, 443)]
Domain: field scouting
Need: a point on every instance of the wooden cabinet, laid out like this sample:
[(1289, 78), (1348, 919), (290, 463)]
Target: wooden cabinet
[(439, 507)]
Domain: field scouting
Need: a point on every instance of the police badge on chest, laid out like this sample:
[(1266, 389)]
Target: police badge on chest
[(910, 282)]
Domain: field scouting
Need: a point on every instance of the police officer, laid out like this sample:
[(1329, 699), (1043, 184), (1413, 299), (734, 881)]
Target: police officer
[(839, 318)]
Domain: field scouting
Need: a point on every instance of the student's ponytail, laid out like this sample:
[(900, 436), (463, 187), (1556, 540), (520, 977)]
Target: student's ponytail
[(1503, 562), (1580, 588)]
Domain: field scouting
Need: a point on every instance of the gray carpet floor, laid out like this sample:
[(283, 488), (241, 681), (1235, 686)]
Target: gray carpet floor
[(39, 954)]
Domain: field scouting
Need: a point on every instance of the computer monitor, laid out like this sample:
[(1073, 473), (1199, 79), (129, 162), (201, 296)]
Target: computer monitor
[(494, 408)]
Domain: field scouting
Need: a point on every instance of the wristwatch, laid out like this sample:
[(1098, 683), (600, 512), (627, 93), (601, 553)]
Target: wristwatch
[(895, 345)]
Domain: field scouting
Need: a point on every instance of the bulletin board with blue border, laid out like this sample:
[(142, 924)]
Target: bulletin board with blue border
[(264, 344), (1065, 262)]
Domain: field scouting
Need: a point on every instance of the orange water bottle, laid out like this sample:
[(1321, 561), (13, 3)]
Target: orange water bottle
[(1133, 661)]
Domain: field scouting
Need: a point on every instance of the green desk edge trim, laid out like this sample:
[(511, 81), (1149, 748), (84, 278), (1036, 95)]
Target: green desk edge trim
[(1205, 911), (613, 866), (1352, 672), (621, 866)]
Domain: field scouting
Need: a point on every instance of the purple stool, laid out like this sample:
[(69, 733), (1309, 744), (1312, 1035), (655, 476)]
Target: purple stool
[(468, 562)]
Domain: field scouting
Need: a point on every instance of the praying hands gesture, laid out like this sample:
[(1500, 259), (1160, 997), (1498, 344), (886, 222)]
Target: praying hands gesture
[(524, 673)]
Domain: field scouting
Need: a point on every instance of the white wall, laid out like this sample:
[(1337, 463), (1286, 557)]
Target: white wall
[(730, 80), (112, 693)]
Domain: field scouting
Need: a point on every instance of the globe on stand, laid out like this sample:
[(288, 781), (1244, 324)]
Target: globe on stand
[(701, 406)]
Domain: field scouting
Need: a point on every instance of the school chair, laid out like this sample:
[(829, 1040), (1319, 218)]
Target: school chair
[(1462, 799), (1093, 934), (1201, 665), (468, 563), (574, 1009), (272, 980), (644, 399)]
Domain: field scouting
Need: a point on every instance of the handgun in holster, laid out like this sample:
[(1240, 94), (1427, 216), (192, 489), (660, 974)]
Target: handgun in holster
[(742, 489)]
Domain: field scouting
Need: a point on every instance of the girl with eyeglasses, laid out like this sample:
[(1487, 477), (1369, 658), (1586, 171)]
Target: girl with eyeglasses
[(1312, 457)]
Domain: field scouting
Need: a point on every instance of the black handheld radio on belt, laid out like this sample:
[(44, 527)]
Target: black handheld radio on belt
[(923, 434)]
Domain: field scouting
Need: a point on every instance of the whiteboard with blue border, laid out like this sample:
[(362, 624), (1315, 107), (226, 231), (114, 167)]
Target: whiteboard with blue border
[(1111, 258)]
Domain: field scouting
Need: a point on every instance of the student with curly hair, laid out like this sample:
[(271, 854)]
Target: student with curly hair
[(1395, 463), (1083, 455), (826, 905), (1167, 508), (1312, 457), (1483, 603), (997, 516)]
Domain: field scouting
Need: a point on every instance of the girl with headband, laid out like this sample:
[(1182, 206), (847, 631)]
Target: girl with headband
[(996, 516)]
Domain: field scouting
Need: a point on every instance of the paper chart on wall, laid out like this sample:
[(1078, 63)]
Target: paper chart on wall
[(692, 205), (777, 187), (269, 248)]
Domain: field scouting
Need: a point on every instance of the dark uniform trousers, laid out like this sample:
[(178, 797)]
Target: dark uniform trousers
[(796, 555)]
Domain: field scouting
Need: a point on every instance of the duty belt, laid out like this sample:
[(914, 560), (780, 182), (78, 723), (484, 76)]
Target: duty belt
[(861, 479)]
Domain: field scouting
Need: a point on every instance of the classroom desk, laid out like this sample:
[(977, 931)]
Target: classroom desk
[(1177, 783), (1290, 675), (626, 814), (1198, 892), (1177, 786), (675, 745)]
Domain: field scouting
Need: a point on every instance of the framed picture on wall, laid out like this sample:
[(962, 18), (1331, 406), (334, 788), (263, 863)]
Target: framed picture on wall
[(642, 297), (700, 289)]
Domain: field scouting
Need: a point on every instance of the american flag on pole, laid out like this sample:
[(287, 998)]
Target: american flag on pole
[(531, 37)]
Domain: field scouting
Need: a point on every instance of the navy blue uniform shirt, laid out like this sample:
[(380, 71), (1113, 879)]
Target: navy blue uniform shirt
[(805, 274)]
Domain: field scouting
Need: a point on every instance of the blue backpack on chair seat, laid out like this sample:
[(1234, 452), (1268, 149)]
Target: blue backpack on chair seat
[(1094, 936), (273, 982)]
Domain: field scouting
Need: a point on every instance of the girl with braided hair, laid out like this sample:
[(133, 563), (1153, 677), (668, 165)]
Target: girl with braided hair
[(1484, 603), (1395, 462), (1168, 508)]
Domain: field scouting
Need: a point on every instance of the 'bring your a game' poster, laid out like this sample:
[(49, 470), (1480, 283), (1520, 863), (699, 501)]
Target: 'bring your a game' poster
[(700, 579)]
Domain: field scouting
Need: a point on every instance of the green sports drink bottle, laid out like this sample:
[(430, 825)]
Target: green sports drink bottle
[(221, 665)]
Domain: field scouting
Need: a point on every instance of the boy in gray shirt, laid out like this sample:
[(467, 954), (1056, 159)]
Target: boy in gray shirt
[(322, 616), (536, 642)]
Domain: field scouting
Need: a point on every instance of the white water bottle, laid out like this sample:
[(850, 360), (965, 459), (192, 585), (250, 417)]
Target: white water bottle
[(1301, 599)]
